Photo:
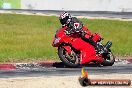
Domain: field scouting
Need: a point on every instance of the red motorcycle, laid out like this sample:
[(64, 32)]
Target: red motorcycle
[(73, 51)]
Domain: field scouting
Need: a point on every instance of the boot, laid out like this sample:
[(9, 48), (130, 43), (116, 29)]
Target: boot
[(99, 49)]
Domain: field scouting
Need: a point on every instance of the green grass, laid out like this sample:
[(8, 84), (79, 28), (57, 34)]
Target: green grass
[(119, 32), (24, 37)]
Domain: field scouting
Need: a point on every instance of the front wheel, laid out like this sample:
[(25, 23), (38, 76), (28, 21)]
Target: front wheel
[(109, 59), (71, 60)]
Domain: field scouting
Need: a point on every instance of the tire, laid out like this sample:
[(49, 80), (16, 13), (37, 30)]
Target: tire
[(67, 61), (111, 60)]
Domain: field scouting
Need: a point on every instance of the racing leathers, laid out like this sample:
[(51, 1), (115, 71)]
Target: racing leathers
[(76, 26)]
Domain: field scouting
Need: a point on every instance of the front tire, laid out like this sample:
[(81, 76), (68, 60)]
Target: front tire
[(70, 61)]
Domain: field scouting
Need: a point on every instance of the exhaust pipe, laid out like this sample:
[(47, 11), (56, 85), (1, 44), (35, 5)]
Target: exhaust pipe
[(108, 45)]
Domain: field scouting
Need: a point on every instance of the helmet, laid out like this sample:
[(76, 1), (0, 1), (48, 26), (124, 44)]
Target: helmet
[(65, 18)]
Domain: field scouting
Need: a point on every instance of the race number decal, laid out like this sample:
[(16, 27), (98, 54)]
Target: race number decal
[(76, 25)]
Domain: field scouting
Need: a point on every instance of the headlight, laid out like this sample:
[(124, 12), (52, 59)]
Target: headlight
[(57, 40)]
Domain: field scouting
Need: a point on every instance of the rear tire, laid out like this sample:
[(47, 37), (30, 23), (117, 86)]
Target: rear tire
[(68, 61), (109, 60)]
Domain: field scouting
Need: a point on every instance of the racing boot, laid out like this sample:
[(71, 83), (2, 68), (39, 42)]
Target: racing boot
[(99, 49), (104, 49)]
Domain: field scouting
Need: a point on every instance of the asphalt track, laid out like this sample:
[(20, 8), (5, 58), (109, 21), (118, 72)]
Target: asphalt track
[(119, 67), (107, 14)]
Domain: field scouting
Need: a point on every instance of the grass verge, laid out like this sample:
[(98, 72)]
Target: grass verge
[(29, 37)]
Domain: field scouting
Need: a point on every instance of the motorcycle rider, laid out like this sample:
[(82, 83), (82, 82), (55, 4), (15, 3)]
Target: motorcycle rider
[(75, 26)]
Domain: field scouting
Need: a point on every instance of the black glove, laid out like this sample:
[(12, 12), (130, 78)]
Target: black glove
[(69, 31)]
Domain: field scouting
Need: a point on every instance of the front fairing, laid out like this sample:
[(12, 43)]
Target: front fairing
[(60, 37)]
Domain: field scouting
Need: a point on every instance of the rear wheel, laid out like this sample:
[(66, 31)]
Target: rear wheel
[(71, 60), (109, 59)]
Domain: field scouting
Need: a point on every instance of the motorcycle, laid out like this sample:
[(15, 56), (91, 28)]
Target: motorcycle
[(71, 49)]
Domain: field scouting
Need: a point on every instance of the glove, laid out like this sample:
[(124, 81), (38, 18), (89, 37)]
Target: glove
[(69, 31)]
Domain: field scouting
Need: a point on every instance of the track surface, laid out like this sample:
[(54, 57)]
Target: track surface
[(53, 71), (119, 68), (123, 15)]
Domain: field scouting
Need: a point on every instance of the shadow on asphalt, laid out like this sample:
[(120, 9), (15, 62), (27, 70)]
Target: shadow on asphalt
[(61, 65), (58, 69)]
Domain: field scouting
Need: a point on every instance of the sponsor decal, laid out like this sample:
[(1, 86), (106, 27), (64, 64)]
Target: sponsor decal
[(85, 81), (76, 25)]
